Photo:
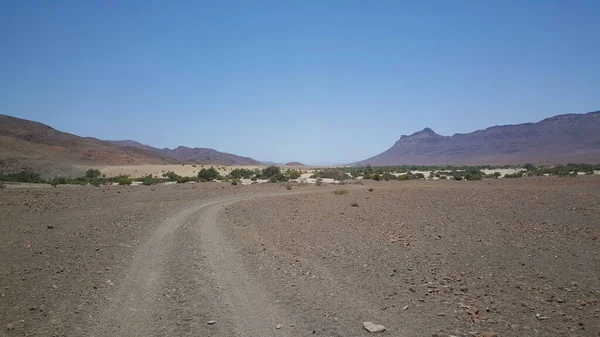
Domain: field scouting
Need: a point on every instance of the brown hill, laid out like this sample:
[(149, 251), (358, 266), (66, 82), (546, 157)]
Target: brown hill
[(294, 163), (188, 154), (555, 140), (33, 145)]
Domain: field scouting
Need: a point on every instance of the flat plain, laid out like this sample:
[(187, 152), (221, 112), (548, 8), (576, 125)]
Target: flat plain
[(512, 257)]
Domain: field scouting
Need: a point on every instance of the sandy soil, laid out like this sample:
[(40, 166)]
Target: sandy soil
[(187, 170), (515, 257)]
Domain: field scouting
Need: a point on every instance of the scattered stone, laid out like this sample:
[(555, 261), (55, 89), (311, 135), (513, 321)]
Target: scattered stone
[(405, 307), (278, 326), (540, 317), (211, 322), (109, 282), (374, 328), (488, 334), (50, 226)]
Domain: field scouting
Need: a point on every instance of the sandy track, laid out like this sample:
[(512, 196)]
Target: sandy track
[(188, 273)]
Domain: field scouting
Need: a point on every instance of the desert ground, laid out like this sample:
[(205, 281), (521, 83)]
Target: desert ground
[(186, 170), (506, 257)]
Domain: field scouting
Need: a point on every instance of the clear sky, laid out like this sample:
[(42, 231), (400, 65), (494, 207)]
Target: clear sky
[(312, 81)]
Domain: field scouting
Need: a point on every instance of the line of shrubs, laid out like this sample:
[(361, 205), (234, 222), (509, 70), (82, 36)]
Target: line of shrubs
[(95, 178)]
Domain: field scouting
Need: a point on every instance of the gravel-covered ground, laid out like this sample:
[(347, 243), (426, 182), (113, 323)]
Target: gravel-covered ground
[(514, 257)]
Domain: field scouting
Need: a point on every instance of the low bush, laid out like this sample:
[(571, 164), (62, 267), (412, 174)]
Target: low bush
[(150, 180), (494, 175), (92, 173), (288, 186), (319, 182), (514, 175), (123, 180), (293, 174), (335, 174), (269, 172), (171, 176), (279, 178), (96, 182), (183, 180), (209, 174), (340, 192), (58, 181), (241, 173), (25, 176)]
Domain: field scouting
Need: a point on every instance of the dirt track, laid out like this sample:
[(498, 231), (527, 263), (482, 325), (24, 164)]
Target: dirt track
[(465, 257)]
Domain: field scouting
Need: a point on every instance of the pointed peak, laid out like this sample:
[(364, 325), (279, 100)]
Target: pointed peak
[(425, 133), (427, 130)]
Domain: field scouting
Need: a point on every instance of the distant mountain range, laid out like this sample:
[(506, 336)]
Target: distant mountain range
[(33, 145), (555, 140), (188, 154), (560, 139)]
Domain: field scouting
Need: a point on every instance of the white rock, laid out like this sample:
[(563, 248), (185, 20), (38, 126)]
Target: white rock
[(211, 322), (373, 328)]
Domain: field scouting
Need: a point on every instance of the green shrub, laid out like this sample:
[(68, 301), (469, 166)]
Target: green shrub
[(209, 174), (494, 175), (241, 173), (234, 182), (513, 175), (418, 176), (288, 186), (335, 174), (474, 177), (293, 174), (171, 176), (443, 177), (92, 173), (279, 178), (270, 171), (388, 176), (25, 176), (123, 180), (183, 180), (340, 192), (457, 177), (58, 181), (96, 182)]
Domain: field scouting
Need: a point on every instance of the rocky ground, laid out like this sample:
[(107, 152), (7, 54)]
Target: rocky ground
[(508, 257)]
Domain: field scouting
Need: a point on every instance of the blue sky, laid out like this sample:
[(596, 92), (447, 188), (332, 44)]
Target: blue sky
[(312, 81)]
